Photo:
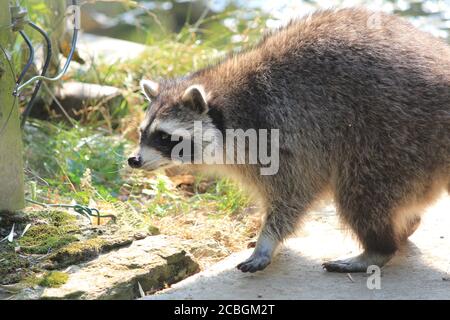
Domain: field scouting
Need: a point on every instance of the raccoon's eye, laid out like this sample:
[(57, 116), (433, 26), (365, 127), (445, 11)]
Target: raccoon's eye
[(162, 137)]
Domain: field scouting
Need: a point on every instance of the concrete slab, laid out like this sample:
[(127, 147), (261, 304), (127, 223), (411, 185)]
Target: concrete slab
[(421, 270)]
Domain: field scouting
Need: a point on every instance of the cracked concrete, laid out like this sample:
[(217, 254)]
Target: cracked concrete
[(421, 270)]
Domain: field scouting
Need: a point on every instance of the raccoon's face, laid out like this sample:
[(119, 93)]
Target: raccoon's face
[(169, 120)]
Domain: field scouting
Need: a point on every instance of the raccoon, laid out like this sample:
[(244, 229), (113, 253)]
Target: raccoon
[(362, 103)]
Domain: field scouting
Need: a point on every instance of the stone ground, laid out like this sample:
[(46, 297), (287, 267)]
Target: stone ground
[(146, 265), (421, 270)]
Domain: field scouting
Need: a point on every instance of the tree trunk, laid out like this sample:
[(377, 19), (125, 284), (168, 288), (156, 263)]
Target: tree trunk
[(11, 162)]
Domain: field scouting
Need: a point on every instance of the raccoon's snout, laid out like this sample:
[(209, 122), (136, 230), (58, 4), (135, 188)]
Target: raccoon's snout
[(135, 162)]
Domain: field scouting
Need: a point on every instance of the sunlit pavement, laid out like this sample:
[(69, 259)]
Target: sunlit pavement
[(421, 270)]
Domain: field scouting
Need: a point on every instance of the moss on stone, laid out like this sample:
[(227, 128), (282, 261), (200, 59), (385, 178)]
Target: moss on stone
[(41, 238), (12, 267), (86, 250), (54, 279), (153, 230), (51, 229), (31, 280), (77, 252), (59, 218), (56, 218), (57, 231)]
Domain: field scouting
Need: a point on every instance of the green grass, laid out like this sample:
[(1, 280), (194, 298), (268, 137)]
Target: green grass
[(80, 160), (225, 196)]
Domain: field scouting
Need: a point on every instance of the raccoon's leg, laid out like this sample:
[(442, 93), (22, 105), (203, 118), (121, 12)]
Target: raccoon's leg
[(286, 203), (261, 256), (369, 215), (378, 253), (379, 244), (410, 227), (279, 224)]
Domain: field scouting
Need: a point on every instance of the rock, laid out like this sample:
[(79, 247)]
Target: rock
[(98, 48), (75, 97), (153, 262), (86, 250), (140, 235), (208, 248)]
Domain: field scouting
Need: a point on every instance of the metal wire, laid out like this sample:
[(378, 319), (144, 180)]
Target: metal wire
[(66, 65), (41, 77), (30, 57), (30, 104), (82, 210), (21, 76)]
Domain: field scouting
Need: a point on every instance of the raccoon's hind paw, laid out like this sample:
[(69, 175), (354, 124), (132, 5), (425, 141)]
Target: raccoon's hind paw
[(357, 264), (344, 266), (254, 263)]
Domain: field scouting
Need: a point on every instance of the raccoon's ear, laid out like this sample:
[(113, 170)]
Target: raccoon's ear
[(149, 88), (195, 98)]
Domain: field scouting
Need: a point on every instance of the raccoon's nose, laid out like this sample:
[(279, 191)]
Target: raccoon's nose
[(135, 162)]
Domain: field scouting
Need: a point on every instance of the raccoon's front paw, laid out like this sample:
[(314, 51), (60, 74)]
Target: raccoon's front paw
[(254, 263)]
